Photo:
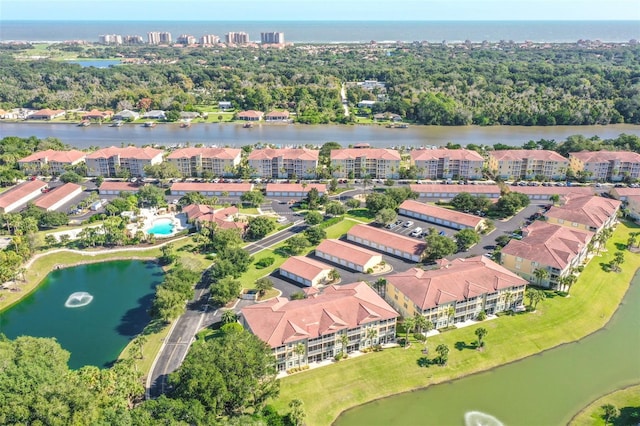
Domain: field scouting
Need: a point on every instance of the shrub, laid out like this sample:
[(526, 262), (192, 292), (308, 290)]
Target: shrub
[(419, 337), (264, 262), (338, 357), (369, 271), (482, 316), (330, 222), (443, 329)]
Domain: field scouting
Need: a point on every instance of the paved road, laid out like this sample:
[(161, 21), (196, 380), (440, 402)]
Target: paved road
[(258, 246)]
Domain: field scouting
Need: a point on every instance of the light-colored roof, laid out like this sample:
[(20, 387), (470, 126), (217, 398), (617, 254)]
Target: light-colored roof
[(442, 213), (119, 186), (389, 239), (296, 187), (278, 114), (304, 267), (452, 154), (457, 280), (586, 210), (373, 153), (606, 156), (133, 152), (455, 189), (50, 198), (98, 113), (549, 244), (528, 154), (280, 321), (50, 155), (211, 187), (349, 252), (285, 153), (219, 153), (20, 191), (251, 113)]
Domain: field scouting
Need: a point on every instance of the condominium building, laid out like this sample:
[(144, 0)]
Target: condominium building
[(272, 38), (556, 249), (237, 38), (447, 163), (157, 37), (209, 39), (186, 39), (527, 164), (50, 161), (455, 291), (111, 162), (110, 39), (378, 163), (319, 323), (588, 213), (605, 165), (288, 163), (193, 162)]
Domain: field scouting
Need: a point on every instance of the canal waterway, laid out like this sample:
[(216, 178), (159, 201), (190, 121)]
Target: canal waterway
[(231, 134), (92, 310), (545, 389)]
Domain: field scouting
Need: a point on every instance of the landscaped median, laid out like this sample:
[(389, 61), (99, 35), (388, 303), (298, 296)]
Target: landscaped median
[(328, 391)]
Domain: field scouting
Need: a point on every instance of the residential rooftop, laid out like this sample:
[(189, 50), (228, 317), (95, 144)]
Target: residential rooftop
[(211, 187), (51, 198), (606, 156), (304, 267), (349, 252), (388, 239), (285, 153), (442, 213), (586, 210), (206, 152), (452, 154), (370, 153), (528, 154), (20, 191), (51, 155), (146, 153)]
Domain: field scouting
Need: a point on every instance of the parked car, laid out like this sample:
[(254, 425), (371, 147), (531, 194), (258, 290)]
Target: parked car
[(408, 224), (442, 233), (416, 232)]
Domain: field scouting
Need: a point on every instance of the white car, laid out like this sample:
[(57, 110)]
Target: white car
[(281, 219), (408, 224), (416, 232)]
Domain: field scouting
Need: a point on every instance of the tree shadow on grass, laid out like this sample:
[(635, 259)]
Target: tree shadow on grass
[(627, 416), (187, 247), (424, 362), (621, 246), (463, 345)]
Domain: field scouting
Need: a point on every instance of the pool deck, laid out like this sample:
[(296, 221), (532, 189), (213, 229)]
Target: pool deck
[(151, 216)]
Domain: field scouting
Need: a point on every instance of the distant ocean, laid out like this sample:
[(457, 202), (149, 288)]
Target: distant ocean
[(336, 31)]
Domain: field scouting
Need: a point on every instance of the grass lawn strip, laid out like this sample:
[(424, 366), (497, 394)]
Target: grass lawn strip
[(594, 299), (591, 415)]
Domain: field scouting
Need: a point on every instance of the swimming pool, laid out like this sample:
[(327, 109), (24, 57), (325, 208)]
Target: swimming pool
[(161, 227)]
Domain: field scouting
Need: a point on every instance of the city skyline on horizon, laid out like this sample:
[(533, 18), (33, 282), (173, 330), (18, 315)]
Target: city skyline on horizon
[(329, 10)]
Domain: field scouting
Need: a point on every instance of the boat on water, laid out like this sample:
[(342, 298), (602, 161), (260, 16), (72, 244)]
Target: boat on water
[(247, 125), (150, 124), (84, 123), (118, 123), (398, 126), (185, 124)]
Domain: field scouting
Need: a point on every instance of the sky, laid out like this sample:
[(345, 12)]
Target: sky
[(309, 10)]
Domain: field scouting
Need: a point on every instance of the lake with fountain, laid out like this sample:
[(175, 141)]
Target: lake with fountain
[(92, 310)]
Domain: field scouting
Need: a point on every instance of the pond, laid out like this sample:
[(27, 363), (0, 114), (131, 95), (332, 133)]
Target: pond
[(96, 63), (545, 389), (92, 310)]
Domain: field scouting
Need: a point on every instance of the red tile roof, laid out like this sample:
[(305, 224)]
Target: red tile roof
[(372, 153), (119, 186), (442, 213), (47, 112), (51, 198), (281, 321), (94, 113), (528, 154), (295, 187), (606, 156), (70, 156), (146, 153), (455, 189), (349, 252), (389, 239), (457, 280), (551, 190), (625, 192), (278, 114), (591, 211), (285, 153), (223, 218), (304, 267), (250, 114), (211, 187), (452, 154), (219, 153), (20, 191), (549, 244)]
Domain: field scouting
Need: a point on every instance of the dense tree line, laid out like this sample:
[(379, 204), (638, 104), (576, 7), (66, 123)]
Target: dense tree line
[(429, 84)]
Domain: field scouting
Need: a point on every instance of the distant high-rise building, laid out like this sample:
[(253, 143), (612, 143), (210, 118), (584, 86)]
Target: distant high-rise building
[(272, 38), (165, 37), (186, 39), (110, 39), (237, 38), (209, 39), (156, 37), (132, 39)]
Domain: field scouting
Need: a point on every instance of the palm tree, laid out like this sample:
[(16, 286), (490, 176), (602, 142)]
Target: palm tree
[(540, 274), (334, 275), (228, 317), (380, 286), (372, 333), (538, 296), (300, 351), (481, 332), (344, 340), (421, 322), (443, 353), (409, 324), (569, 281), (508, 299), (618, 259), (610, 411), (451, 313)]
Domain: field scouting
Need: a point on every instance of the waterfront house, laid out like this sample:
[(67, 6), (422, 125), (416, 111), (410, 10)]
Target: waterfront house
[(95, 114), (348, 255), (250, 115), (376, 163), (285, 163), (305, 271), (318, 323), (21, 194), (58, 197), (387, 242), (277, 116), (126, 115), (50, 161), (528, 164), (46, 114), (193, 162), (155, 114), (610, 166), (446, 163), (455, 291), (111, 162), (554, 248), (441, 216), (224, 105)]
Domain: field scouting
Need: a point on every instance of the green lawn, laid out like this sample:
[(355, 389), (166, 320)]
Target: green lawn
[(341, 228), (363, 215), (627, 401), (557, 320)]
